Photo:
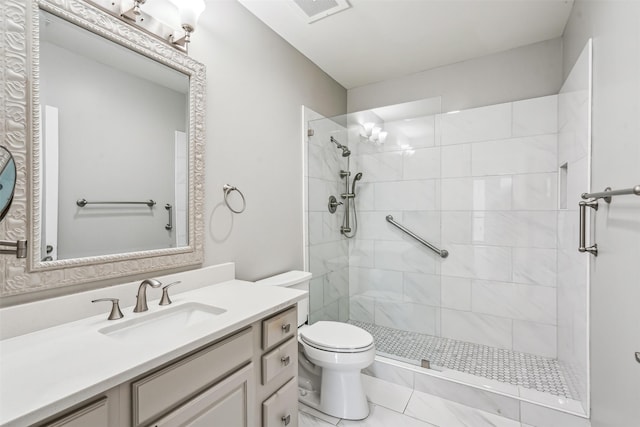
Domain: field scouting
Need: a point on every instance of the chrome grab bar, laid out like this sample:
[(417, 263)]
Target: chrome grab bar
[(608, 193), (593, 249), (84, 202), (442, 252)]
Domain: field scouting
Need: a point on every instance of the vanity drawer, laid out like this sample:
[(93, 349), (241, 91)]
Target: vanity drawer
[(95, 414), (279, 327), (172, 385), (281, 409), (280, 359)]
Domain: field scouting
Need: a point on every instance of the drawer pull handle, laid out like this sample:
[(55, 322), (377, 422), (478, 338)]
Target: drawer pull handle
[(286, 419), (286, 328), (285, 360)]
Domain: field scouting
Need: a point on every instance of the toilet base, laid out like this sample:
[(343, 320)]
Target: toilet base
[(342, 395)]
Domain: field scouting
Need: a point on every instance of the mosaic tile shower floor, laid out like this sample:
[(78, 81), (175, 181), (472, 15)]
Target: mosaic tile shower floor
[(521, 369)]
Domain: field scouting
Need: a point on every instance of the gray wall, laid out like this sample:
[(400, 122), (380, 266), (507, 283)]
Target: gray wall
[(615, 287), (256, 86), (522, 73)]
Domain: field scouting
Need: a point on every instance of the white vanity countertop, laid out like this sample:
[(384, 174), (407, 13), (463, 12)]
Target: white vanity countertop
[(44, 372)]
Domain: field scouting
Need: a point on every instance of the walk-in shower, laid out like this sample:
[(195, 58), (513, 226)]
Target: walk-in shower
[(500, 290)]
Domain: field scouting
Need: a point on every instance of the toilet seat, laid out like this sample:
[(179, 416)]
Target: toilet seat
[(336, 337)]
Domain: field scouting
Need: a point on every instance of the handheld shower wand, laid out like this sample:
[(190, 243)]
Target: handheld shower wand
[(358, 177), (350, 203)]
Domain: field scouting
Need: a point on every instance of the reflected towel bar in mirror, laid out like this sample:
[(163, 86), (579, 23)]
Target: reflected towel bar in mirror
[(84, 202)]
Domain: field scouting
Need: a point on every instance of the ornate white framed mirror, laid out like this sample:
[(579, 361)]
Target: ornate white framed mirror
[(109, 136)]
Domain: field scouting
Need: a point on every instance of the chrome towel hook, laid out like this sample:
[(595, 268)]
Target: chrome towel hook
[(227, 189)]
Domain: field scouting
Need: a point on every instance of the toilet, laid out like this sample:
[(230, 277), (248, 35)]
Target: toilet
[(330, 358)]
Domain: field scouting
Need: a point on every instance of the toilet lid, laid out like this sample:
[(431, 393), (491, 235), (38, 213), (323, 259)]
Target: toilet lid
[(336, 336)]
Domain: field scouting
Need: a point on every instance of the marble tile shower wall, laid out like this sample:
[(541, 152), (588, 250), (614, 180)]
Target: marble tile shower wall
[(328, 250), (481, 183)]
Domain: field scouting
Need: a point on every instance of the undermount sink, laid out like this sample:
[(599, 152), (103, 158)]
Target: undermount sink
[(164, 322)]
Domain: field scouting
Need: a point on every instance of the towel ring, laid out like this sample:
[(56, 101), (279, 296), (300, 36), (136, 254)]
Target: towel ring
[(227, 190)]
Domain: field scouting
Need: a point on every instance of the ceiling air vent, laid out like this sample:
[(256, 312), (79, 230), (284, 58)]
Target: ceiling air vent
[(315, 10)]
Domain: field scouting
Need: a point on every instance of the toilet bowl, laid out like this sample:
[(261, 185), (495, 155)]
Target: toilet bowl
[(331, 356)]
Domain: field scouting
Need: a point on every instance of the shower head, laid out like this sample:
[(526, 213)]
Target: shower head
[(345, 150)]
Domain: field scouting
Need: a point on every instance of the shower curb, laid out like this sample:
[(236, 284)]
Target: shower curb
[(482, 397)]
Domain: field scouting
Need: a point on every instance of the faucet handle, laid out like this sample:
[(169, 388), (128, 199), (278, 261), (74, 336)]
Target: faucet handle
[(115, 308), (165, 300)]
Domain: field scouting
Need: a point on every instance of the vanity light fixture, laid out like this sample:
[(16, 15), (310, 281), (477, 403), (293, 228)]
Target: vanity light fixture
[(133, 12), (189, 11), (170, 20)]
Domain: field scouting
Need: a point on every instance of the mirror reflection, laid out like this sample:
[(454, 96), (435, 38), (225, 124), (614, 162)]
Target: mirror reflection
[(114, 134), (7, 180)]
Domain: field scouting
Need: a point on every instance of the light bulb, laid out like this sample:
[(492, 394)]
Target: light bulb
[(375, 133), (367, 128), (190, 11), (382, 136)]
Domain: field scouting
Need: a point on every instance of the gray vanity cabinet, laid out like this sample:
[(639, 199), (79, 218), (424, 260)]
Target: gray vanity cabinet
[(247, 379)]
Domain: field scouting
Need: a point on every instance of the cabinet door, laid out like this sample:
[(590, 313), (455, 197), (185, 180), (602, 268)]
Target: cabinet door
[(95, 415), (225, 404), (169, 387)]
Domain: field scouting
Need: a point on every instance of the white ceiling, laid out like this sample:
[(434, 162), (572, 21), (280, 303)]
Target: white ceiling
[(376, 40)]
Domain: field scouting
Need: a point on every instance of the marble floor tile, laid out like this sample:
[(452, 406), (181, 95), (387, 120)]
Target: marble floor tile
[(383, 417), (328, 419), (384, 393), (306, 420), (423, 410), (445, 413)]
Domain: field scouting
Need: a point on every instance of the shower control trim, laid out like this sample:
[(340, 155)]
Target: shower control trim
[(333, 204)]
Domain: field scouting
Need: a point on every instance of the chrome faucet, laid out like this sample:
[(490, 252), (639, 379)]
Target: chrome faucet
[(141, 303)]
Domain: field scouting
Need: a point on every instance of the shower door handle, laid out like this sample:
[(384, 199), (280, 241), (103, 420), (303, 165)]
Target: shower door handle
[(593, 249)]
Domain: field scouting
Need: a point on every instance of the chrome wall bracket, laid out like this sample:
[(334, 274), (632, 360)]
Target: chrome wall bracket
[(20, 246), (593, 249)]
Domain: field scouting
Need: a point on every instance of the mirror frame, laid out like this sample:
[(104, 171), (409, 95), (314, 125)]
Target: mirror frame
[(23, 132)]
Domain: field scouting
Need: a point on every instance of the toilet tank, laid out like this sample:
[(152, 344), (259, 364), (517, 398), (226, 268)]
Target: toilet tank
[(296, 280)]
